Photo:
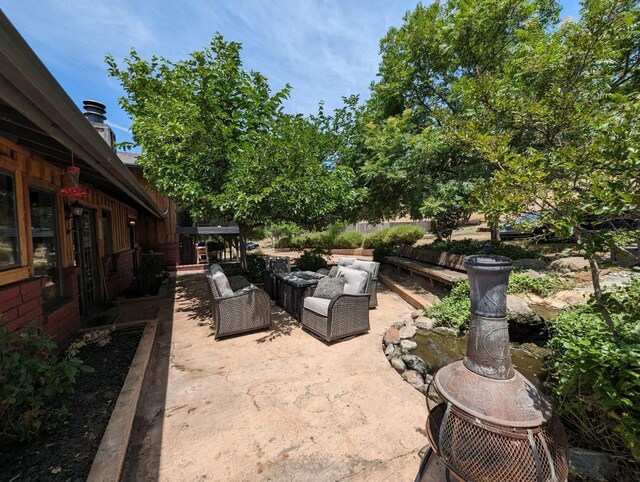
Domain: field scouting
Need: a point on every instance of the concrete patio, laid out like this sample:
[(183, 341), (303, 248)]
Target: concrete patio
[(276, 405)]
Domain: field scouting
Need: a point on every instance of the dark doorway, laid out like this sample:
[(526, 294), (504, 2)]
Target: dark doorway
[(187, 249), (85, 254)]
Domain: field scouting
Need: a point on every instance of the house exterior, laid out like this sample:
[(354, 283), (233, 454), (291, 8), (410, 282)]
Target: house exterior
[(62, 256)]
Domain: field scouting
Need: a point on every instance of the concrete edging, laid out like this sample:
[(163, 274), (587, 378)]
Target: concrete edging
[(109, 460), (414, 300)]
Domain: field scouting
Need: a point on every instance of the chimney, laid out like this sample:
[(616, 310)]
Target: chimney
[(95, 112)]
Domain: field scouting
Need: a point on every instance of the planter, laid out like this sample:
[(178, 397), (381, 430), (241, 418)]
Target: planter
[(352, 252)]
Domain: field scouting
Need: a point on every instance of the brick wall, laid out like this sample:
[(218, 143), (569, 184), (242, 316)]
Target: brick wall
[(171, 254), (22, 302), (119, 280)]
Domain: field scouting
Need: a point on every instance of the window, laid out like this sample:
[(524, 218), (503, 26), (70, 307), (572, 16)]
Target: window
[(9, 251), (45, 242), (107, 239)]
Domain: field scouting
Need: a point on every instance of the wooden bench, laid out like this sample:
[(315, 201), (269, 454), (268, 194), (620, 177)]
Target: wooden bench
[(435, 265)]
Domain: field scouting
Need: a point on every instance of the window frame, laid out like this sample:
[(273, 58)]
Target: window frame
[(18, 263)]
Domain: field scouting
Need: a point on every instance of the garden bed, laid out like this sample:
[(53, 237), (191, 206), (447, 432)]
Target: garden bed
[(67, 453)]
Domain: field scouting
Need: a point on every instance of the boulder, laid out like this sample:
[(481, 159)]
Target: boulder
[(529, 263), (416, 363), (398, 364), (407, 332), (571, 264), (445, 330), (413, 378), (519, 312), (416, 313), (408, 345), (392, 336), (423, 323), (591, 465), (408, 320)]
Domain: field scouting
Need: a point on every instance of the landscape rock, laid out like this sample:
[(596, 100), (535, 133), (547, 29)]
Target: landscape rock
[(529, 263), (398, 324), (416, 313), (592, 465), (388, 351), (519, 312), (413, 378), (415, 363), (445, 330), (408, 345), (424, 323), (407, 332), (408, 320), (569, 265), (423, 388), (618, 277), (392, 336), (398, 364)]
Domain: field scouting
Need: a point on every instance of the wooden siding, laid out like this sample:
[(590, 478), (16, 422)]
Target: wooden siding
[(32, 171)]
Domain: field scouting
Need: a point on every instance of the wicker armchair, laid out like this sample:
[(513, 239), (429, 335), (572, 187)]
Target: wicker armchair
[(343, 315), (237, 306), (275, 265), (371, 267)]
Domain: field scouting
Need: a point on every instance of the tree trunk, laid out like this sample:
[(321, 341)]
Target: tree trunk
[(597, 291), (495, 233)]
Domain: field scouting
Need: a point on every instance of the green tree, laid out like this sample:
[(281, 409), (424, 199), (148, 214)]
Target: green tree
[(214, 137), (559, 125)]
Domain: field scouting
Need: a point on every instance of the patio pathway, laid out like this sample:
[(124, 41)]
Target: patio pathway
[(276, 405)]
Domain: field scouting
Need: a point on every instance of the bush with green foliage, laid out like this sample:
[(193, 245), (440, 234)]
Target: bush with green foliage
[(255, 268), (313, 260), (283, 243), (348, 240), (152, 266), (468, 247), (30, 374), (403, 235), (374, 240), (397, 236), (596, 373)]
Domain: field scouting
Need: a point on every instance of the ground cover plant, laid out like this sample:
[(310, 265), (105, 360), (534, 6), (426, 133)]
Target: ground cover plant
[(32, 372), (596, 376)]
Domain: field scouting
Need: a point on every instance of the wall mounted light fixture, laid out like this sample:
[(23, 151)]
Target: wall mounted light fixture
[(73, 210)]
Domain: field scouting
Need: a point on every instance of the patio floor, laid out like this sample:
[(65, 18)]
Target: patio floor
[(276, 405)]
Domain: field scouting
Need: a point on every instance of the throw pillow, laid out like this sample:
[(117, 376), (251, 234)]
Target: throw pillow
[(329, 287), (355, 280)]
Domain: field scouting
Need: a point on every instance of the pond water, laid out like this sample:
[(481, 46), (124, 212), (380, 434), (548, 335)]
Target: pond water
[(440, 347)]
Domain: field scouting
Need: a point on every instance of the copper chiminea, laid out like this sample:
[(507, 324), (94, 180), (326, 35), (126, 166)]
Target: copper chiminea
[(486, 421)]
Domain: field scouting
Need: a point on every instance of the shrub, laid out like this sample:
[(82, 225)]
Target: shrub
[(544, 285), (255, 267), (30, 374), (374, 240), (596, 374), (321, 239), (152, 266), (455, 308), (283, 242), (403, 235), (382, 252), (468, 247), (348, 240), (313, 260)]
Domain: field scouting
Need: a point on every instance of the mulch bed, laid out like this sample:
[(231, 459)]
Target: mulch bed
[(67, 454), (141, 287)]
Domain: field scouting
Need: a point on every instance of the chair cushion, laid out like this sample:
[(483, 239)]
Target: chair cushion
[(317, 305), (329, 287), (345, 261), (222, 284), (355, 280), (245, 289), (333, 272), (368, 266)]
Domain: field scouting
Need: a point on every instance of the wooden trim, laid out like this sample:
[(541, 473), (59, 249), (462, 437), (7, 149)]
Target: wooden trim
[(13, 275)]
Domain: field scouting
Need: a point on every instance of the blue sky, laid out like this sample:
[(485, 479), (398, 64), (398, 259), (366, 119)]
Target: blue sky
[(325, 49)]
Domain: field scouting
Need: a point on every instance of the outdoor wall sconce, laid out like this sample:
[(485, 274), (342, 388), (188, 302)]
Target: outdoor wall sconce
[(73, 211), (132, 222)]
